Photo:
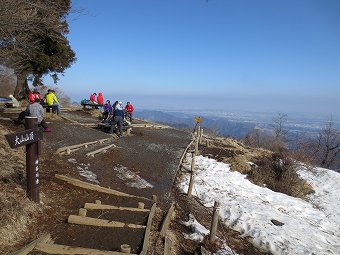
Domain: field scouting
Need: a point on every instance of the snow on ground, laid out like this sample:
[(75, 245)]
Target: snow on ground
[(131, 179), (84, 171), (199, 232), (309, 227)]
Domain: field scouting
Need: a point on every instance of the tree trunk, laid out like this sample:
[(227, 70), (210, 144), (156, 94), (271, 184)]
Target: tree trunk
[(21, 90)]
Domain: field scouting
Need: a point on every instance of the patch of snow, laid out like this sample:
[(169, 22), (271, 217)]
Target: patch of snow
[(131, 179), (199, 232), (308, 227), (84, 171)]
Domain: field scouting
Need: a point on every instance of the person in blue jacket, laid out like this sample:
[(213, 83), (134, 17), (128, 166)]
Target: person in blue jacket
[(117, 119)]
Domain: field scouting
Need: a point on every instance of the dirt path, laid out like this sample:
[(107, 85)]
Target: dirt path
[(143, 164)]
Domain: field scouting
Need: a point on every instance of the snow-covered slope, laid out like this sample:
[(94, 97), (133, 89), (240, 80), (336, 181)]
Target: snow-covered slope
[(311, 227)]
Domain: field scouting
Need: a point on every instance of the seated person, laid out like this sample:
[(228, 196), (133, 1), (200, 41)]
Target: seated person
[(33, 95), (36, 110), (52, 100), (107, 109), (93, 98), (100, 98), (129, 110), (14, 103)]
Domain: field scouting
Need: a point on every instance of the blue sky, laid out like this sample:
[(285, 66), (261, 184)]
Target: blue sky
[(256, 55)]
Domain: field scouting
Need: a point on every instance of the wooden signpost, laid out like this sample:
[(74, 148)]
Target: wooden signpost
[(30, 138)]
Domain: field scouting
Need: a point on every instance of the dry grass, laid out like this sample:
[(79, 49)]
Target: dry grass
[(16, 211), (278, 173), (238, 155)]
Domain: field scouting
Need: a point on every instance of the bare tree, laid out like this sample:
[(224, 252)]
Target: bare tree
[(328, 145), (278, 126)]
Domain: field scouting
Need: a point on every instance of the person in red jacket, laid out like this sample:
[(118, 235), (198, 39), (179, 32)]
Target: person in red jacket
[(93, 98), (100, 98), (129, 110), (34, 95)]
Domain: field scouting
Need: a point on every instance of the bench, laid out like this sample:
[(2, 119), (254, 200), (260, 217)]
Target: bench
[(106, 127), (54, 108), (93, 106)]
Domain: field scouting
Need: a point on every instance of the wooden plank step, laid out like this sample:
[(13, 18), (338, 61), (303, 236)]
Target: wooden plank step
[(70, 250), (80, 220), (95, 187), (113, 207)]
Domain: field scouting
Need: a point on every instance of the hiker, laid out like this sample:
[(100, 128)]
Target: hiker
[(33, 95), (115, 105), (100, 98), (14, 103), (93, 98), (129, 110), (107, 109), (36, 110), (52, 100), (117, 119)]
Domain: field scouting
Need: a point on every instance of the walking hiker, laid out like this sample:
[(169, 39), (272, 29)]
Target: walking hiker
[(117, 119), (129, 110)]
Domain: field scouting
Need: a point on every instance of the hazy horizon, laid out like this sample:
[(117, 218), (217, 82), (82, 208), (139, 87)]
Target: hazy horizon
[(225, 105)]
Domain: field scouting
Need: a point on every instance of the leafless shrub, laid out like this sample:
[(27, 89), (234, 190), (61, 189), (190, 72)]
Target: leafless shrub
[(278, 173)]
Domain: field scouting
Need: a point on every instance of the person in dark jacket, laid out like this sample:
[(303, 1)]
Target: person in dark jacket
[(117, 119)]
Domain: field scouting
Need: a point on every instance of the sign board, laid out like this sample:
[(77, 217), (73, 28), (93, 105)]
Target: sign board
[(23, 138), (198, 119)]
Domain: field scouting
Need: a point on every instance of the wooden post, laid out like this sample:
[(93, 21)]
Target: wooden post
[(82, 212), (214, 222), (125, 248), (201, 135), (32, 163), (141, 205), (207, 143), (192, 177), (196, 146), (167, 246)]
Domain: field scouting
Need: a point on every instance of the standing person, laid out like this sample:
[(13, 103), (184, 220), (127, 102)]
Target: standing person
[(52, 100), (93, 98), (107, 109), (100, 98), (129, 110), (118, 118), (36, 110)]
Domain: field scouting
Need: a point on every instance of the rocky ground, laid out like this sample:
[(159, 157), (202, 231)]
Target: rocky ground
[(142, 164)]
